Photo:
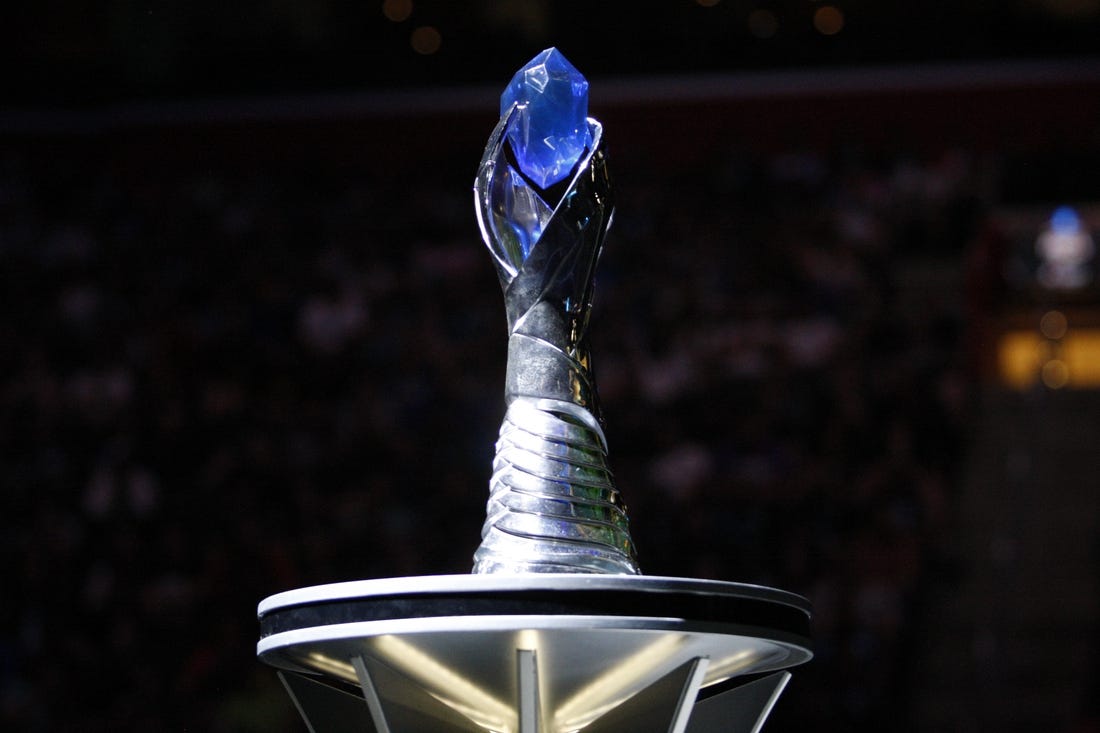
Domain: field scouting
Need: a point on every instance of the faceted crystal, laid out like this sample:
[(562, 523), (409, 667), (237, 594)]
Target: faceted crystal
[(550, 130)]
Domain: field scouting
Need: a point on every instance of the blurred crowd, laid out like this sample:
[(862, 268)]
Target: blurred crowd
[(219, 384)]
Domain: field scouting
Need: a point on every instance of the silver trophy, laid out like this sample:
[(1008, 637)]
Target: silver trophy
[(553, 505), (555, 631)]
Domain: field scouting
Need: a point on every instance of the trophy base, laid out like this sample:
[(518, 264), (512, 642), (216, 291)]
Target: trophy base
[(536, 653)]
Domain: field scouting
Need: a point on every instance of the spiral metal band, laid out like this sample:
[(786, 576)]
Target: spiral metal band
[(553, 505)]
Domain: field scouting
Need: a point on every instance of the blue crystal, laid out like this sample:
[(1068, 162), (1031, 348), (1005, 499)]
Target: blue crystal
[(549, 133)]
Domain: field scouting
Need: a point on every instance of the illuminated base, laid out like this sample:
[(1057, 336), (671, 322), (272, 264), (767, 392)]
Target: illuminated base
[(534, 653)]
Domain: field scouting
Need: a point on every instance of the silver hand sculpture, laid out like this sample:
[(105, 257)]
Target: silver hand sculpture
[(553, 505)]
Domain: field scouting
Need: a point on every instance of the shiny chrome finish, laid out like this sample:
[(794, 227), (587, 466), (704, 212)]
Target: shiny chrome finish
[(537, 652), (553, 505)]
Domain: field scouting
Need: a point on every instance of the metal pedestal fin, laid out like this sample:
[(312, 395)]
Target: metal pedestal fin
[(536, 653)]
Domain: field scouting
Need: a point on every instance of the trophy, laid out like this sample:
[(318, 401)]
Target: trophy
[(556, 630), (553, 506)]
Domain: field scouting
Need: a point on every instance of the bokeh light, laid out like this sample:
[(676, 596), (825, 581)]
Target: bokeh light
[(425, 40), (397, 10), (828, 20), (1055, 374), (1065, 249), (1053, 325), (1065, 219)]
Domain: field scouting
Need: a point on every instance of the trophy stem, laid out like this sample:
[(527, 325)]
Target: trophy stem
[(553, 506)]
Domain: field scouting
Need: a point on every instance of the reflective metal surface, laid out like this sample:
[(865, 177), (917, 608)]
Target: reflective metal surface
[(448, 585), (743, 708), (583, 667), (553, 505)]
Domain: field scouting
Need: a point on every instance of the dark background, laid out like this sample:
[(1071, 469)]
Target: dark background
[(250, 340), (63, 51)]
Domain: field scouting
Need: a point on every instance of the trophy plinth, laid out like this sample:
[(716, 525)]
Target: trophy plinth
[(545, 653), (556, 631)]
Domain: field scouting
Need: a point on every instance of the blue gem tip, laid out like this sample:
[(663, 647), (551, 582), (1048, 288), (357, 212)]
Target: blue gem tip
[(549, 133)]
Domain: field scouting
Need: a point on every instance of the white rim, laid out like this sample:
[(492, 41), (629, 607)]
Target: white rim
[(429, 584)]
